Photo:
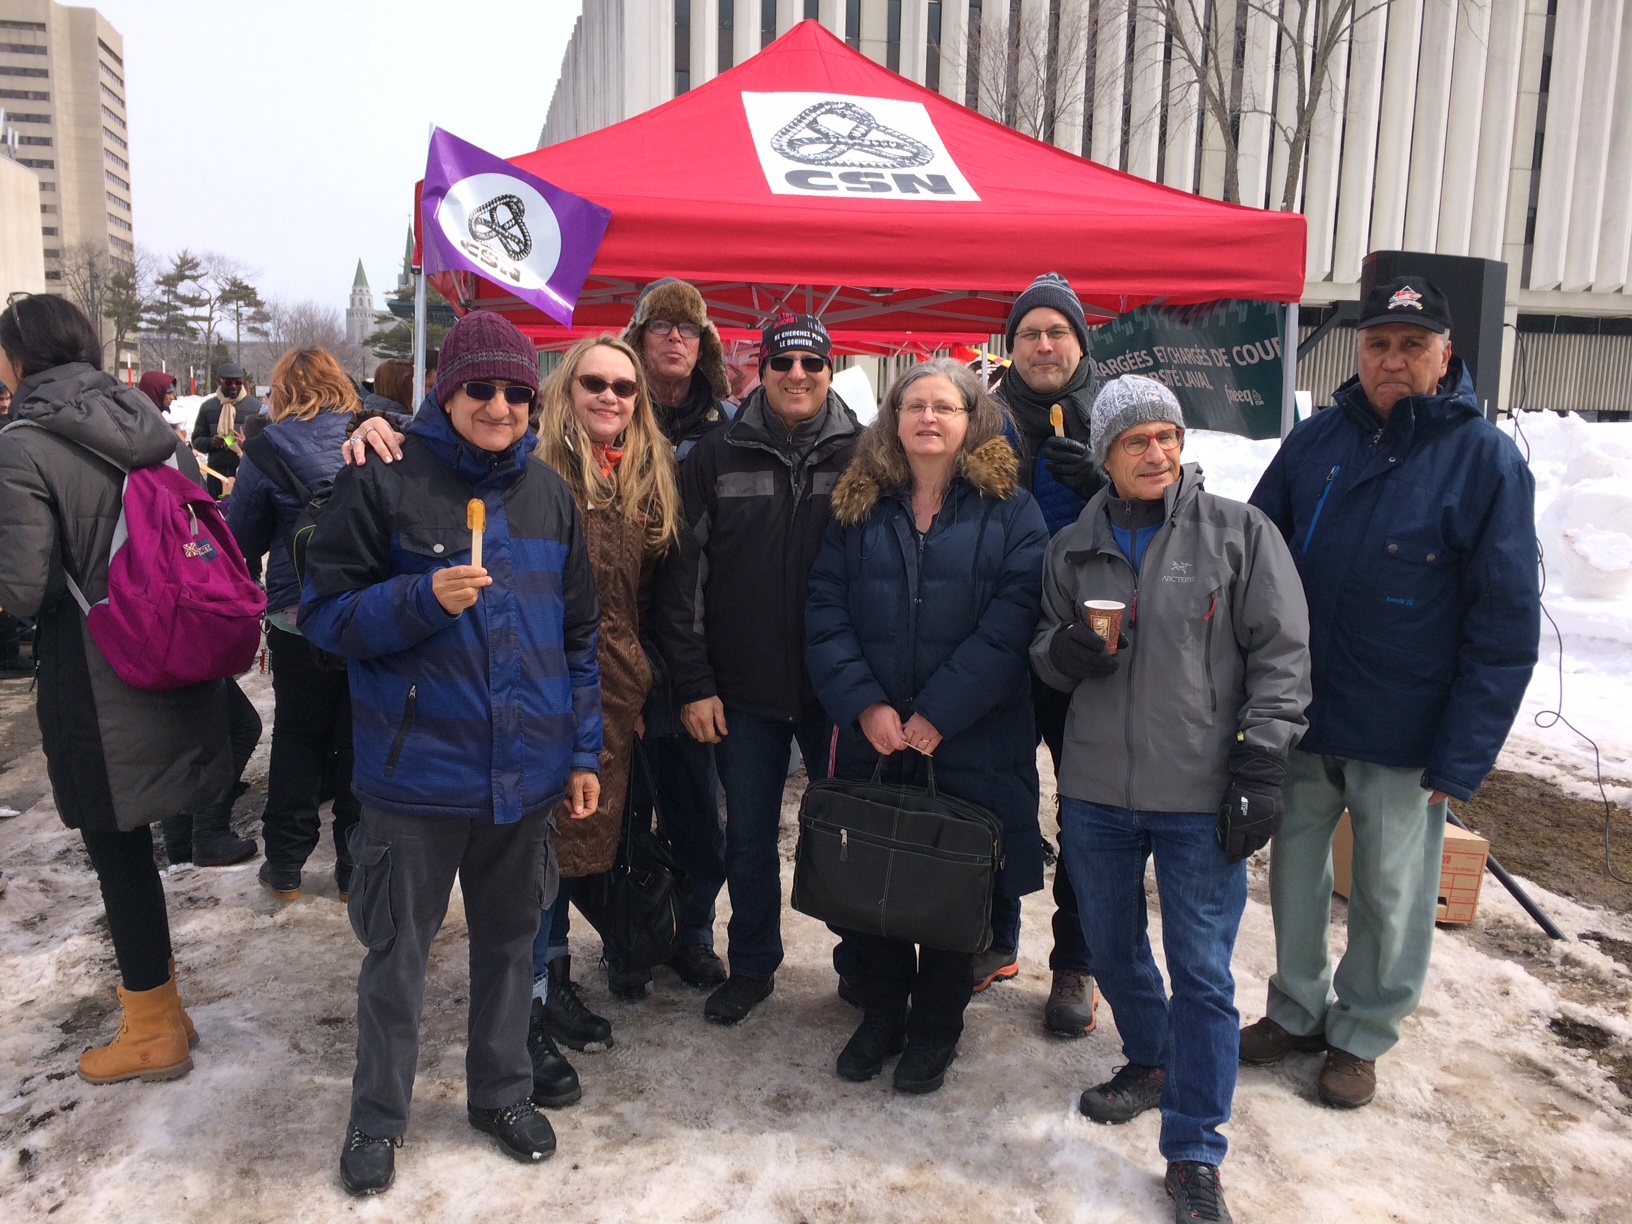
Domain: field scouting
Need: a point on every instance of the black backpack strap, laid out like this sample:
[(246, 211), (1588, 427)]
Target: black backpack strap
[(266, 457)]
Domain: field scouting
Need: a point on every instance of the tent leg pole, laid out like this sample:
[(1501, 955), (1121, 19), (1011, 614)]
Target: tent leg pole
[(1289, 371), (419, 336), (1512, 886)]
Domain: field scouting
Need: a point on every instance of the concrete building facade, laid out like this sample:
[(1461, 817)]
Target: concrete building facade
[(62, 85), (1493, 128), (22, 253)]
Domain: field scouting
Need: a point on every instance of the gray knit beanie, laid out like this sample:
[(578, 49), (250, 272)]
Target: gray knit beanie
[(1049, 289), (1124, 402)]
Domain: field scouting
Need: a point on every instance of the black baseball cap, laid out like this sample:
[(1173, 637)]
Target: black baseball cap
[(1409, 299)]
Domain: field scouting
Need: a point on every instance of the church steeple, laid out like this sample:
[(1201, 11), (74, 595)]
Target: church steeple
[(360, 314), (359, 281)]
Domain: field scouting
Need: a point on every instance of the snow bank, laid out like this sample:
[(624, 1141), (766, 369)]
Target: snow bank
[(1583, 474)]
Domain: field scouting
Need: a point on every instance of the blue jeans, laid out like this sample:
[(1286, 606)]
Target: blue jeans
[(553, 926), (1195, 1036), (753, 763)]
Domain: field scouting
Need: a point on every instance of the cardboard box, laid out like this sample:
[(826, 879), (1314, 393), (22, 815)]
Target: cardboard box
[(1461, 872)]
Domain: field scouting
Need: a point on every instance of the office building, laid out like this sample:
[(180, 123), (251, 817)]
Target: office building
[(1494, 128)]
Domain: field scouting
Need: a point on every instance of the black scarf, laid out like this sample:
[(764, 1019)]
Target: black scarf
[(1031, 409), (691, 416)]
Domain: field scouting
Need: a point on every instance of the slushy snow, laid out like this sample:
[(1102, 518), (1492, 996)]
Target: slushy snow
[(1482, 1113)]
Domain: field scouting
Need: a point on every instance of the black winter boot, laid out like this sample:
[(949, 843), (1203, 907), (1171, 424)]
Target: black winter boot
[(1133, 1089), (523, 1133), (555, 1083), (367, 1164), (566, 1017), (178, 839), (923, 1065), (882, 1034), (214, 842), (1197, 1193)]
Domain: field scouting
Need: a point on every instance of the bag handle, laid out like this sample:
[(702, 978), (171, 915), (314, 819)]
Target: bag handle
[(929, 769)]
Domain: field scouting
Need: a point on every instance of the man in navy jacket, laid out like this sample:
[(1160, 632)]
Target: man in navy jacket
[(1412, 522)]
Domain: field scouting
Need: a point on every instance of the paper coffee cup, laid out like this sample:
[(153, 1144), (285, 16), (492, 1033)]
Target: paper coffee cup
[(1104, 617)]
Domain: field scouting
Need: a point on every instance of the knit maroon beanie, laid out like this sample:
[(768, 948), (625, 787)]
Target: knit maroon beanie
[(483, 345)]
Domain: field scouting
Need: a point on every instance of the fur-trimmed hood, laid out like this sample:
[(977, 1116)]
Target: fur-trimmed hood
[(992, 468), (679, 302)]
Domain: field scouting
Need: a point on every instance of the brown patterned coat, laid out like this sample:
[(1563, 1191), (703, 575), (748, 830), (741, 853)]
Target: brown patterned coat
[(623, 578)]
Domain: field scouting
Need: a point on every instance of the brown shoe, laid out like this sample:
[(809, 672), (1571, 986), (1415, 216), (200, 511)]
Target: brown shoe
[(151, 1044), (1347, 1082), (1266, 1042)]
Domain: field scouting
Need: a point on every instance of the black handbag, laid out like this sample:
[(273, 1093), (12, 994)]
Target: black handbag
[(637, 906), (904, 862)]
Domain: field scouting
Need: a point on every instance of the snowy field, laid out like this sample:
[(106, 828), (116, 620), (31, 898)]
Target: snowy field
[(1482, 1112)]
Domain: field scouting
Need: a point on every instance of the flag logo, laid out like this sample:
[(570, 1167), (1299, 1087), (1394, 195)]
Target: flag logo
[(500, 220)]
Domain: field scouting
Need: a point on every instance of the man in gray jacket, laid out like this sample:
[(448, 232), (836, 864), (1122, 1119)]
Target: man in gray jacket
[(1175, 747)]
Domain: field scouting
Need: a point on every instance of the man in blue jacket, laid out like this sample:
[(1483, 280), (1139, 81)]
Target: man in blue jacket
[(1412, 521), (476, 709)]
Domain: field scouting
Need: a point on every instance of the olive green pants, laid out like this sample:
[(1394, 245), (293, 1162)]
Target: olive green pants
[(1398, 842)]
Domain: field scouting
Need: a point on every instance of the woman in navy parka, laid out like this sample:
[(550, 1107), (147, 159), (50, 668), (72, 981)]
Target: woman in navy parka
[(922, 605)]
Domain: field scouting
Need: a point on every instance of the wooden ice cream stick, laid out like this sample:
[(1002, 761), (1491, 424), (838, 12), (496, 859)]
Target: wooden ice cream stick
[(1056, 418), (476, 520)]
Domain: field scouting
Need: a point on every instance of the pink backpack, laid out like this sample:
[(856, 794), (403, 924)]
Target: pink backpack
[(181, 607)]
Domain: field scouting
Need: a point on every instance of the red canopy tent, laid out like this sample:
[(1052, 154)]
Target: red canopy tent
[(888, 259)]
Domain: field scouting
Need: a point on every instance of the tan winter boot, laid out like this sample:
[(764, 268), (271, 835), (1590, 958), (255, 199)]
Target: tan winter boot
[(186, 1020), (151, 1045)]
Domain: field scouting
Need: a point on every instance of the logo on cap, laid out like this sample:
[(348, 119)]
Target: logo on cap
[(1405, 297)]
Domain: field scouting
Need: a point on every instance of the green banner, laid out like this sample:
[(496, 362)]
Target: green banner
[(1222, 359)]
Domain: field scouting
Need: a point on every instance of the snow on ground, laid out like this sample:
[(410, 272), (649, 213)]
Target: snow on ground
[(1482, 1113)]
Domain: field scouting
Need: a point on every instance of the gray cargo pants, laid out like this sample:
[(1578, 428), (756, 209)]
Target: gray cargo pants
[(399, 896)]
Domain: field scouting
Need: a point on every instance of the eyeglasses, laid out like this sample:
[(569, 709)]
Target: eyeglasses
[(623, 388), (484, 391), (810, 365), (662, 327), (1138, 444), (939, 411), (1056, 335)]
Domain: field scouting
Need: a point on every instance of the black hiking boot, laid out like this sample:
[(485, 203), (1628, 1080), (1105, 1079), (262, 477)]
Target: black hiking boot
[(1197, 1193), (367, 1164), (923, 1065), (555, 1083), (566, 1017), (1127, 1094), (282, 882), (523, 1133), (627, 985), (881, 1035), (698, 965), (731, 1003)]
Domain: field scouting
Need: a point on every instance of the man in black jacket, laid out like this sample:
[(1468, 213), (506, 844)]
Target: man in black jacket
[(684, 361), (217, 430), (731, 621)]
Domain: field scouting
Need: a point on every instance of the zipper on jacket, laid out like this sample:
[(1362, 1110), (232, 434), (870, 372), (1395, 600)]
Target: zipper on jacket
[(844, 845), (1207, 652), (1321, 504), (1127, 721), (403, 728)]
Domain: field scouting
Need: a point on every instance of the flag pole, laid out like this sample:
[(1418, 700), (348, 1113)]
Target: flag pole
[(419, 313)]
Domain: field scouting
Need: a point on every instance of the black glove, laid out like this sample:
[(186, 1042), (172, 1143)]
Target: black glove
[(1250, 813), (1069, 462), (1078, 653)]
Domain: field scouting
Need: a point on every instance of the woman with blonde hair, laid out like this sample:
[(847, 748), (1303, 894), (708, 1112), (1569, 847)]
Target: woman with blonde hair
[(596, 427), (313, 403)]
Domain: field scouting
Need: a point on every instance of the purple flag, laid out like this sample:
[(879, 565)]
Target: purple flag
[(479, 213)]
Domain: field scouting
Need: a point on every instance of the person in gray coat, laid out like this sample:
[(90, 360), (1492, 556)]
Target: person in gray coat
[(119, 758), (1175, 748)]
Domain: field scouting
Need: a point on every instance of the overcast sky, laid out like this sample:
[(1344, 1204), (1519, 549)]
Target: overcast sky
[(289, 133)]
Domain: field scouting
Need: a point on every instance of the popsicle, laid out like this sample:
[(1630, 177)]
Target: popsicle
[(1056, 418), (476, 520)]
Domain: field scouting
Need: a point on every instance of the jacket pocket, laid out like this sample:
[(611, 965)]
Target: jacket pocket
[(1412, 572), (409, 706), (1210, 621), (369, 905), (433, 545)]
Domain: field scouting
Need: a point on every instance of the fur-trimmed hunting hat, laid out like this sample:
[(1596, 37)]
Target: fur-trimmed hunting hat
[(674, 301)]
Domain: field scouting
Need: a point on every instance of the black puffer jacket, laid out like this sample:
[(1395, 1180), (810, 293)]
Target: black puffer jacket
[(118, 757), (730, 612)]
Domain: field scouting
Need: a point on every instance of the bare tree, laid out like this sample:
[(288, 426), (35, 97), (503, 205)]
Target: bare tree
[(1208, 42), (86, 271), (309, 325), (1019, 82)]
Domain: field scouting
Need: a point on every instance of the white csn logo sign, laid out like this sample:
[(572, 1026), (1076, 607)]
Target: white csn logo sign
[(836, 145), (504, 225)]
